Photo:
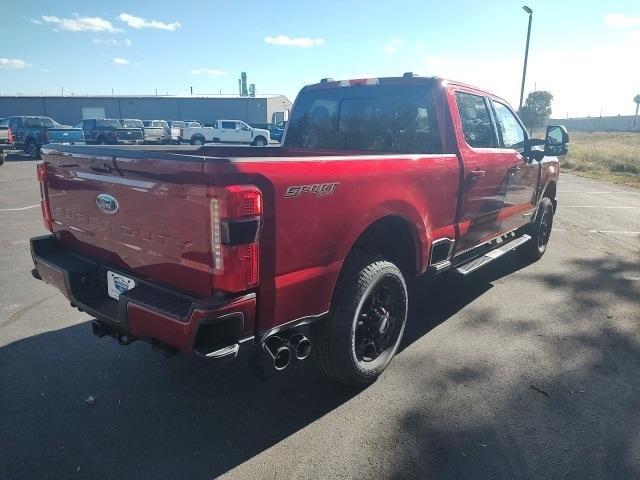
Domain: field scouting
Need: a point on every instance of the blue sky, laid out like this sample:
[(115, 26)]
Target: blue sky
[(584, 52)]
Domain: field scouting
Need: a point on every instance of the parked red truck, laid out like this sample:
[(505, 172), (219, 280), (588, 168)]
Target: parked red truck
[(213, 250)]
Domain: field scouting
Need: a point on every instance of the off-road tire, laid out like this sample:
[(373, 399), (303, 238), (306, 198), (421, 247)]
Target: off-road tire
[(540, 232), (32, 149), (333, 338)]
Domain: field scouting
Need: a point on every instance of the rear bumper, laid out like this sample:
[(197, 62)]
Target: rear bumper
[(215, 328)]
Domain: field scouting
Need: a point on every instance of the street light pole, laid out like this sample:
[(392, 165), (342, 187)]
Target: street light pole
[(526, 55)]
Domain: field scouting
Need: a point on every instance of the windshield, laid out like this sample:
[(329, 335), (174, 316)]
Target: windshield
[(160, 123), (107, 122), (384, 118), (178, 124)]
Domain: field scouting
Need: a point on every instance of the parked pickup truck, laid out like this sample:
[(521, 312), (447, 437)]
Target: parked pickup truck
[(30, 133), (5, 144), (196, 134), (213, 250), (176, 130), (109, 131), (156, 131), (236, 131)]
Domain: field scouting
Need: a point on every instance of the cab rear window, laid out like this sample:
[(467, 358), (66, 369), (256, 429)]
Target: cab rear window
[(381, 118)]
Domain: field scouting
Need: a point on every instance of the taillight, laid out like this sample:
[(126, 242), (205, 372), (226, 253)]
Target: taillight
[(41, 172), (11, 139), (236, 216)]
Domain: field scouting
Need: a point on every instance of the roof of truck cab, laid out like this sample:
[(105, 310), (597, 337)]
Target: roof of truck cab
[(412, 79)]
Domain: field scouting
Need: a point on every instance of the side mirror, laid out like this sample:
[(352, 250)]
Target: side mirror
[(531, 154), (556, 142)]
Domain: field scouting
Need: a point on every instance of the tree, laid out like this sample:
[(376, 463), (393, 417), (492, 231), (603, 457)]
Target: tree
[(635, 119), (536, 109)]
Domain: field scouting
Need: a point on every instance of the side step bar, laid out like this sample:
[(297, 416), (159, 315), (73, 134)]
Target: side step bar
[(491, 255)]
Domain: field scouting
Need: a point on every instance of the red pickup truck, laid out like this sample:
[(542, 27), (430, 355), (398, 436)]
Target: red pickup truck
[(213, 250)]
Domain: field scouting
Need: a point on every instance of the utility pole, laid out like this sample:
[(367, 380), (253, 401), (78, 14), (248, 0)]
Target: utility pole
[(635, 118), (191, 90), (62, 91), (526, 55)]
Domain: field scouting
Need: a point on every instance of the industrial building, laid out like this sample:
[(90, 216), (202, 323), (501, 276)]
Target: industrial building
[(71, 109)]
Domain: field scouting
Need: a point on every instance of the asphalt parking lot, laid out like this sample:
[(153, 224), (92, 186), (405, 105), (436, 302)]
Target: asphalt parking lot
[(518, 372)]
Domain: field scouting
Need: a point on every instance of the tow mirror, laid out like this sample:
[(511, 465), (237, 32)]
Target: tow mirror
[(556, 142), (531, 154)]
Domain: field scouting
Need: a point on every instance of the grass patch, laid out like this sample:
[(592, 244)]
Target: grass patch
[(607, 156)]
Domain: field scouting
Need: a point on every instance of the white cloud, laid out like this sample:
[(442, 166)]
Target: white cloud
[(45, 70), (79, 24), (13, 64), (120, 61), (212, 72), (420, 45), (137, 22), (393, 45), (110, 41), (303, 42), (618, 20)]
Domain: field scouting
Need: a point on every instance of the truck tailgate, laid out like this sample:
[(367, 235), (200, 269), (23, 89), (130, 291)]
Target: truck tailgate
[(146, 213), (65, 135)]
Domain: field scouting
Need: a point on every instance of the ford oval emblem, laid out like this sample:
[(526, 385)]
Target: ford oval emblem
[(107, 204)]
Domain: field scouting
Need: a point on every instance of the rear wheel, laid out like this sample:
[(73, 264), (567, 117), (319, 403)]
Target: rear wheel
[(367, 320), (32, 150), (101, 141), (540, 232), (260, 142), (197, 141)]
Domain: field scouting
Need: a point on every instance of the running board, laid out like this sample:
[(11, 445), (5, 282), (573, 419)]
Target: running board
[(491, 255)]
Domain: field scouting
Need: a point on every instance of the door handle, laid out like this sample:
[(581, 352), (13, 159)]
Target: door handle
[(478, 173)]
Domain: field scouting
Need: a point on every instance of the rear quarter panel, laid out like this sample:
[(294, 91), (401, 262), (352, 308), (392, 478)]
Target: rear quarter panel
[(307, 235)]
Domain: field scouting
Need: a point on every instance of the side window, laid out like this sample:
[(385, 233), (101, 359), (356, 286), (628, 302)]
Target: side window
[(511, 132), (228, 125), (79, 124), (476, 121)]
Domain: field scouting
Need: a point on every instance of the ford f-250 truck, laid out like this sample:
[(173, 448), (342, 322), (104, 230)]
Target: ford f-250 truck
[(212, 250), (4, 138), (30, 133), (109, 131)]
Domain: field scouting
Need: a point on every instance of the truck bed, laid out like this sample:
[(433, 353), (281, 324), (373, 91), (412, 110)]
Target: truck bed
[(206, 151)]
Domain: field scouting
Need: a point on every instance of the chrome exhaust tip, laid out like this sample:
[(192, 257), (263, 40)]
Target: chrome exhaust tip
[(300, 345), (276, 348)]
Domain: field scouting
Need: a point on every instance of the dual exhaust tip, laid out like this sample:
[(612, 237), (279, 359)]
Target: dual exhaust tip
[(281, 349)]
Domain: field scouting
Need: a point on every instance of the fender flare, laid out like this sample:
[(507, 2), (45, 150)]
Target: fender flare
[(403, 210)]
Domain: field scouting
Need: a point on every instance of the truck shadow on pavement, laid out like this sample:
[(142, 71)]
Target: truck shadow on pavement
[(570, 408), (156, 418)]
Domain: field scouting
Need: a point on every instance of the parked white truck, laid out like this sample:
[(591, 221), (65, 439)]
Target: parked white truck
[(196, 134), (236, 131)]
